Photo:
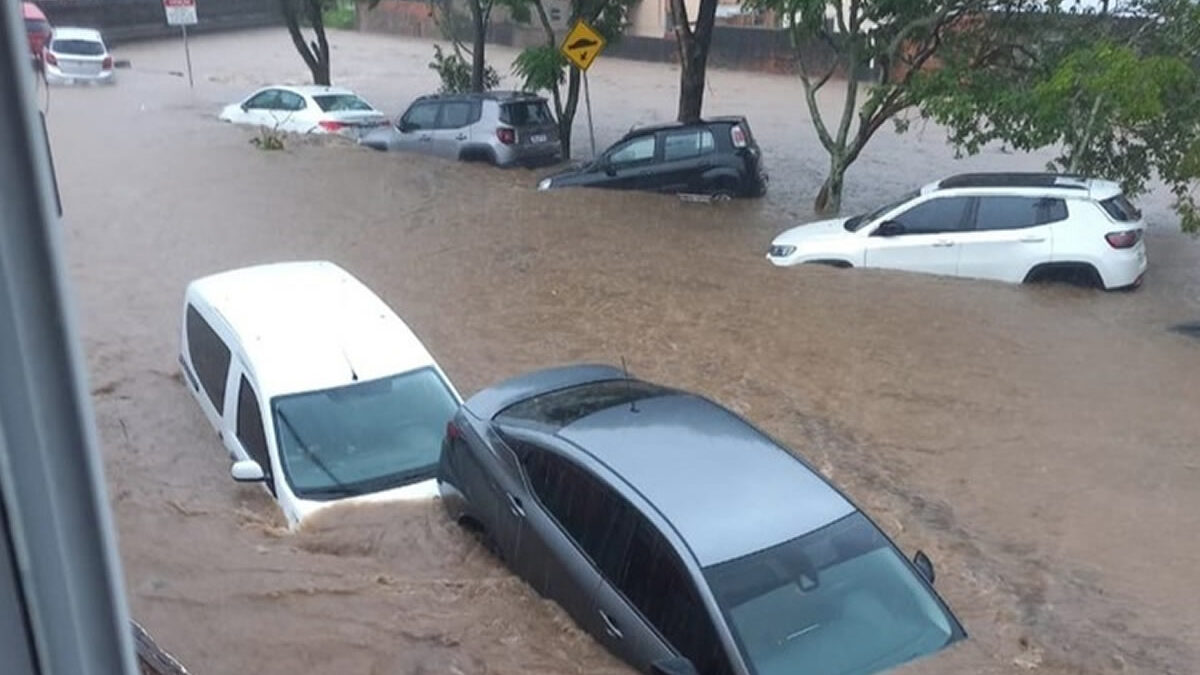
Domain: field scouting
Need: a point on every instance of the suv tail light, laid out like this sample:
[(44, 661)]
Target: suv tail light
[(108, 63), (738, 135), (51, 58), (1124, 238), (331, 125), (507, 136)]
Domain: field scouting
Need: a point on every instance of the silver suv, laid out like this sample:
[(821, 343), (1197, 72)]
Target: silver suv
[(501, 127)]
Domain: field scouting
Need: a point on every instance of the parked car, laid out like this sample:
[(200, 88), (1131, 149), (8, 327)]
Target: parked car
[(684, 539), (1013, 227), (37, 28), (717, 157), (311, 109), (504, 128), (77, 55), (318, 390)]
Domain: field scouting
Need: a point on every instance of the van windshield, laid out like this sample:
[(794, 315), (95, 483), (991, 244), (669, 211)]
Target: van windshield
[(364, 437), (837, 600)]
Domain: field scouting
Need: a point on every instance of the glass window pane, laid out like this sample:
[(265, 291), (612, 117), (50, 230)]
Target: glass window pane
[(946, 214)]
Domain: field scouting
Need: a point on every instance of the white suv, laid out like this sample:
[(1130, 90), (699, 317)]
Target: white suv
[(1006, 226)]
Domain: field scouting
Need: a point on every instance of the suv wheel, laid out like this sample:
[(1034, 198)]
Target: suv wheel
[(1075, 274)]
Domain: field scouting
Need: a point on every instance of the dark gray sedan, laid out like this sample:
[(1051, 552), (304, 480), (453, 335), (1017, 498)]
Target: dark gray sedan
[(680, 536)]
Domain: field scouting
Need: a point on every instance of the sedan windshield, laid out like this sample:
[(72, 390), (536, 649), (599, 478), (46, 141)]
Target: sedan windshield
[(341, 102), (364, 437), (857, 222), (839, 600)]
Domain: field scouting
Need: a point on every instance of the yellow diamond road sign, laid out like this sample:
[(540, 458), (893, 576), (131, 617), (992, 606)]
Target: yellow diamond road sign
[(583, 45)]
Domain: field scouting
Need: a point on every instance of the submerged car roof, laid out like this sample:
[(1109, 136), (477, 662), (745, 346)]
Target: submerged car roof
[(310, 325), (726, 488)]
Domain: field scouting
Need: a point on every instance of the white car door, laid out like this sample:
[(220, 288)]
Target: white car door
[(922, 238), (292, 113), (1011, 235), (258, 109)]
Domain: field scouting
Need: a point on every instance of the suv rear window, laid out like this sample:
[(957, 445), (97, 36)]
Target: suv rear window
[(562, 407), (1121, 209), (525, 112)]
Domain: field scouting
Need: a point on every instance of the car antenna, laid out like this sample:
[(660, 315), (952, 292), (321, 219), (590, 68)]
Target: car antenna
[(350, 365), (629, 387)]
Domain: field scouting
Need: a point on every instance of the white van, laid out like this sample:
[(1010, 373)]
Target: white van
[(316, 387)]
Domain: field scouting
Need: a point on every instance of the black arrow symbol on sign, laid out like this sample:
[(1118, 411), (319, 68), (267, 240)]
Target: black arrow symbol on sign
[(583, 56), (581, 43)]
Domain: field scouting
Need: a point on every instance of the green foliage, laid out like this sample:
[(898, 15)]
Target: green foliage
[(1119, 99), (268, 139), (455, 72), (540, 68), (339, 14)]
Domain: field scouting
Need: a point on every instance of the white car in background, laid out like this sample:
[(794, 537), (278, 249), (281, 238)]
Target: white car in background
[(1013, 227), (77, 55), (318, 390), (306, 110)]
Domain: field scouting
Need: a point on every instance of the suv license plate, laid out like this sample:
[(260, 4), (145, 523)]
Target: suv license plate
[(537, 138)]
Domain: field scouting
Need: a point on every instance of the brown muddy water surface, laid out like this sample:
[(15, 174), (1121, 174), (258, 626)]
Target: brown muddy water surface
[(1039, 442)]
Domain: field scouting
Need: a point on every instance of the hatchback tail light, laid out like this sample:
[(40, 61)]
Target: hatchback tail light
[(738, 135), (108, 63), (51, 58), (331, 125), (1124, 238), (507, 136)]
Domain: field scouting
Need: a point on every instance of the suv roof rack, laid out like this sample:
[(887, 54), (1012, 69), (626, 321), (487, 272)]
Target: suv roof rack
[(1015, 179), (497, 95)]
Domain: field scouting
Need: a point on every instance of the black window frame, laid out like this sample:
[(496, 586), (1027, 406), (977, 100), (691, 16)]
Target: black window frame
[(300, 98), (272, 94), (654, 156), (1120, 209), (701, 149), (250, 432), (442, 123), (437, 115), (965, 219), (1044, 211), (205, 367)]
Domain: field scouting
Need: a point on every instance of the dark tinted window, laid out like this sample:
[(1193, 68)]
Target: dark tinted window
[(686, 144), (77, 47), (1013, 213), (209, 356), (526, 112), (456, 114), (267, 100), (250, 427), (946, 214), (422, 116), (1121, 209), (562, 407), (655, 582), (640, 149)]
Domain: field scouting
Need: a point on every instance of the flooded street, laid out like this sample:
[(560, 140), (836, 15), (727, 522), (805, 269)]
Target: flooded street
[(1041, 443)]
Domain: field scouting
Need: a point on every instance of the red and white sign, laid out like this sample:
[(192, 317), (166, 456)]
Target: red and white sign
[(180, 12)]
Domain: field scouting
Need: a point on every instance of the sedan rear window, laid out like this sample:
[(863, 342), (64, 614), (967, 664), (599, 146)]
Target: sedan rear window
[(77, 47), (526, 113), (840, 599), (341, 102), (562, 407), (1121, 209)]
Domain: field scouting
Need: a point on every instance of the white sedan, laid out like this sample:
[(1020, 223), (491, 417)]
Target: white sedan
[(306, 110)]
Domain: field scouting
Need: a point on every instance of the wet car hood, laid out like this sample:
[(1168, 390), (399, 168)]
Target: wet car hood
[(822, 230)]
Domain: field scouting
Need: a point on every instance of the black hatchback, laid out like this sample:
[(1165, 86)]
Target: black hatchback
[(717, 157)]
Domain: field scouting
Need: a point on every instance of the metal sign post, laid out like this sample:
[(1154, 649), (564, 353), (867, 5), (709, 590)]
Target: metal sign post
[(182, 13), (581, 47)]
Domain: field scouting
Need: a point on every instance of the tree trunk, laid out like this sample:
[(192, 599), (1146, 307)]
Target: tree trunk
[(316, 55), (693, 46), (566, 121), (829, 197), (477, 48)]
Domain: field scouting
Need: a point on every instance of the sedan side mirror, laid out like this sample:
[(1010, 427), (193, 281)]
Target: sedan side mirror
[(607, 166), (889, 228), (247, 471), (925, 566), (245, 107), (675, 666), (403, 127)]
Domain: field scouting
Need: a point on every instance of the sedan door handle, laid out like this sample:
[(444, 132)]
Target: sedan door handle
[(514, 505), (424, 139), (610, 626), (942, 243), (1032, 239), (460, 137)]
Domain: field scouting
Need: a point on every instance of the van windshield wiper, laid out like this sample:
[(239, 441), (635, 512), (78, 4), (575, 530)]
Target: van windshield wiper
[(341, 488)]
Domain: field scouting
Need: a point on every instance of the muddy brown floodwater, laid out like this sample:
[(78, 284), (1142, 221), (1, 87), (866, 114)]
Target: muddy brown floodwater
[(1039, 442)]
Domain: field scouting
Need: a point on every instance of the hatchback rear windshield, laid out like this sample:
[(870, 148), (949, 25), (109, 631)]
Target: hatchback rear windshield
[(1121, 209), (562, 407), (341, 102), (525, 112), (78, 47)]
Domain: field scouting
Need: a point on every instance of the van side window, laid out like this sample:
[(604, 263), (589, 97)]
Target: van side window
[(250, 426), (209, 356), (654, 580)]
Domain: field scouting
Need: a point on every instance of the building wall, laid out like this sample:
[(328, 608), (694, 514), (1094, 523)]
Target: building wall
[(131, 19)]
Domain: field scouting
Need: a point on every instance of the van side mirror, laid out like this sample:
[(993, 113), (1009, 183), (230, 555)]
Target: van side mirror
[(925, 566), (247, 471), (889, 228), (675, 666)]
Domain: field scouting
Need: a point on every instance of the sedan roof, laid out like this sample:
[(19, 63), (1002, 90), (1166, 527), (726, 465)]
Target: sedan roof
[(72, 33), (726, 488)]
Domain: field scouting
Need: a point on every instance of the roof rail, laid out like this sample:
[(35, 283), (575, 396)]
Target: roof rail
[(1015, 179)]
